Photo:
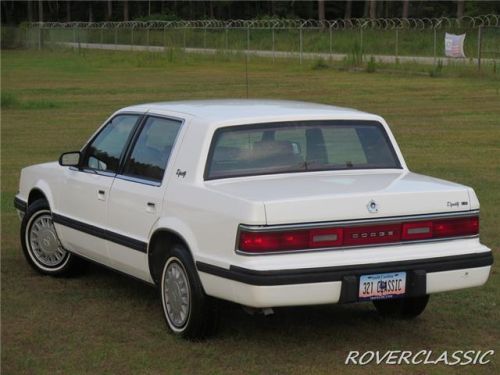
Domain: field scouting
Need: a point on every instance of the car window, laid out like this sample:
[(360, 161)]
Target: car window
[(104, 152), (152, 149), (298, 147)]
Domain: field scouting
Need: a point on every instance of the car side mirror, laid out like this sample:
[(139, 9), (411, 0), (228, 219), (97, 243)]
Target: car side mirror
[(70, 159)]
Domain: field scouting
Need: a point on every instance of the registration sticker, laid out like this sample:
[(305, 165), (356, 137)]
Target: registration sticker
[(382, 286)]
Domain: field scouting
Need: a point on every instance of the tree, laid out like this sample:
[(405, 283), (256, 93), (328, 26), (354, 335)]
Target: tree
[(68, 11), (125, 10), (30, 11), (348, 9), (321, 10), (460, 8), (406, 6), (373, 9), (40, 10), (109, 13)]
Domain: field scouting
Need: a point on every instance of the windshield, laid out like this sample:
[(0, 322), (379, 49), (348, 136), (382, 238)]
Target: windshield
[(299, 146)]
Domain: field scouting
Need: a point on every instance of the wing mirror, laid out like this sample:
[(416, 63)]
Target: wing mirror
[(70, 159)]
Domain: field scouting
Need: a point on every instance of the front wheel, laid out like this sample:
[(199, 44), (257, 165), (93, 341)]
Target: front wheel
[(41, 246), (402, 308), (189, 312)]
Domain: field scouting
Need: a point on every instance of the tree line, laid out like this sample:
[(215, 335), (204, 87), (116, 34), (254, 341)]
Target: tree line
[(15, 12)]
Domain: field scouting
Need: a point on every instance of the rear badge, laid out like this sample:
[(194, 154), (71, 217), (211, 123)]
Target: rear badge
[(372, 206)]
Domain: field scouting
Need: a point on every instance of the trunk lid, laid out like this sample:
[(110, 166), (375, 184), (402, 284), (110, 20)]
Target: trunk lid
[(331, 196)]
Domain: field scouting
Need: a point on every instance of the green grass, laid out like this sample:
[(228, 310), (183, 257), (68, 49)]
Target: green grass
[(102, 322)]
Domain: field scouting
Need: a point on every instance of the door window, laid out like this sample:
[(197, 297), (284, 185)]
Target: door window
[(105, 151), (152, 149)]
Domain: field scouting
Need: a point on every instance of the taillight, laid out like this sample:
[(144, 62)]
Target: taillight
[(465, 226), (304, 239)]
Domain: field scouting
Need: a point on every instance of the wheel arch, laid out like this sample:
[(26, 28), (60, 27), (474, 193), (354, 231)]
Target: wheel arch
[(35, 194), (161, 241)]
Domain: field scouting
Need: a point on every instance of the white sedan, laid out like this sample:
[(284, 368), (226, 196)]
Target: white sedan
[(259, 202)]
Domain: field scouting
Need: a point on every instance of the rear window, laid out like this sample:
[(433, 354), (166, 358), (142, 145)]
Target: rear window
[(302, 146)]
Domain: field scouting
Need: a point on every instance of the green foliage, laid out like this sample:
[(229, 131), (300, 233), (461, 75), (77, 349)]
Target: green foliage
[(8, 100), (436, 70), (319, 64), (371, 66)]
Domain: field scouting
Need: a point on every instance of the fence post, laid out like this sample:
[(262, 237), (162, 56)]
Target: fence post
[(435, 46), (397, 45), (131, 36), (184, 38), (102, 35), (40, 37), (226, 46), (272, 29), (248, 39), (331, 41), (479, 41), (205, 37), (147, 36), (74, 35), (361, 42), (116, 35), (300, 44), (165, 37)]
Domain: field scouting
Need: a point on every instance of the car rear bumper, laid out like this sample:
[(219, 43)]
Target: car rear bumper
[(340, 284)]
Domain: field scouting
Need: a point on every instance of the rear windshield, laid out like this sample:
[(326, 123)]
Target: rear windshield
[(301, 146)]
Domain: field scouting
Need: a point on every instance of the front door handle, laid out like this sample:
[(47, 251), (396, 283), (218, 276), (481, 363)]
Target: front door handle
[(101, 195), (150, 207)]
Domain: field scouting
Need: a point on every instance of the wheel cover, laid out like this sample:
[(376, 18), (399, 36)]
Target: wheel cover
[(44, 243), (176, 294)]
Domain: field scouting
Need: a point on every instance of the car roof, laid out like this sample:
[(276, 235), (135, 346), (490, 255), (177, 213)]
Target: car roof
[(222, 110)]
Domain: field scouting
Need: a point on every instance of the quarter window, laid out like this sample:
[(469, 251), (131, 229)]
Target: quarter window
[(152, 149), (106, 149)]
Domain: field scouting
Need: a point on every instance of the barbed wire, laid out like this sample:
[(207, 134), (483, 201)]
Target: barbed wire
[(337, 24)]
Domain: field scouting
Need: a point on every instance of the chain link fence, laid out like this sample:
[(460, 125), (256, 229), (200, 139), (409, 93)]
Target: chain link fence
[(398, 38)]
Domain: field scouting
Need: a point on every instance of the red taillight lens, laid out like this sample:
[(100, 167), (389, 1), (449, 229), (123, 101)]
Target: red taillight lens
[(265, 242), (465, 226), (256, 242)]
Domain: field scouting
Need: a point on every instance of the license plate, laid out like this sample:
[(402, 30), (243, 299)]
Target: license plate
[(382, 286)]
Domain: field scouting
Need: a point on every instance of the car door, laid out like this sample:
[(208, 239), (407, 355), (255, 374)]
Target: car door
[(136, 197), (81, 219)]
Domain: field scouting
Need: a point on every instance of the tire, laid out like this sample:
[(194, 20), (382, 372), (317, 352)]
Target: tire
[(41, 246), (402, 308), (188, 311)]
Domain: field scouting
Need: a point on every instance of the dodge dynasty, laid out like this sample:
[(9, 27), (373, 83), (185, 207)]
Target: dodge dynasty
[(262, 203)]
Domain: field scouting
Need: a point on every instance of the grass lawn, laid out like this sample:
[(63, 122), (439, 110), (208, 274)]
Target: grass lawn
[(104, 322)]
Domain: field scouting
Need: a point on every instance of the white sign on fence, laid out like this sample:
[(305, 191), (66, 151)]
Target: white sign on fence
[(454, 45)]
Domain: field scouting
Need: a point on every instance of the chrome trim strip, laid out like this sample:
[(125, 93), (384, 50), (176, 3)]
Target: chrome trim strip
[(358, 222), (323, 249), (138, 180)]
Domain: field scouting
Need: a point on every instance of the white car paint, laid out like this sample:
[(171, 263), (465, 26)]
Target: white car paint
[(207, 213)]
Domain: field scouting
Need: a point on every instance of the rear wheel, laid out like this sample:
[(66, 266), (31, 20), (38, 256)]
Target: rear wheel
[(41, 246), (188, 311), (402, 308)]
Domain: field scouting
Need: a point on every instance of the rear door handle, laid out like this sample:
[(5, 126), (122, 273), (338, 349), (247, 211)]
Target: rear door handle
[(150, 207), (101, 195)]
